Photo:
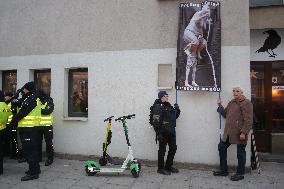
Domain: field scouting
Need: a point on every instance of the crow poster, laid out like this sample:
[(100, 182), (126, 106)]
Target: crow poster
[(199, 47)]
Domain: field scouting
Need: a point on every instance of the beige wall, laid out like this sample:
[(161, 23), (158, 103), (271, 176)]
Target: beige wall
[(54, 27), (122, 42), (266, 17)]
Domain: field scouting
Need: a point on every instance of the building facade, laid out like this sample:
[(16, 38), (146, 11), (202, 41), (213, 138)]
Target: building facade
[(115, 56)]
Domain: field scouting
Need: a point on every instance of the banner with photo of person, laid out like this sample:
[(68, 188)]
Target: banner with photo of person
[(199, 47)]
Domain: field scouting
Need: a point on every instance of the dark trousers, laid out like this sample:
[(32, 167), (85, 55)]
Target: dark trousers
[(241, 155), (6, 142), (29, 139), (11, 144), (163, 141), (47, 133), (2, 132)]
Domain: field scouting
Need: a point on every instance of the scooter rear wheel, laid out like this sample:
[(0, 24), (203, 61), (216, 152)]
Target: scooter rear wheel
[(134, 173), (89, 173)]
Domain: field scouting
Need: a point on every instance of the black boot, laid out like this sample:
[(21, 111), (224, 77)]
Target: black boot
[(163, 172), (29, 173), (48, 162), (237, 177), (172, 170), (220, 173), (29, 177)]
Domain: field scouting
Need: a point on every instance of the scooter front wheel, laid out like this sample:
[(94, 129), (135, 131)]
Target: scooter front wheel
[(135, 168)]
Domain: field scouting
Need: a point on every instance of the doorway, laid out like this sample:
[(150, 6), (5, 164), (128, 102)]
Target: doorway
[(267, 96)]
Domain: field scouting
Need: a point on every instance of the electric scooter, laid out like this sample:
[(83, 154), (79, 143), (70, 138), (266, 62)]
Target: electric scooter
[(92, 167), (106, 158)]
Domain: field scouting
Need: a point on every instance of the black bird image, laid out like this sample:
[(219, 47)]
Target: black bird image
[(270, 43)]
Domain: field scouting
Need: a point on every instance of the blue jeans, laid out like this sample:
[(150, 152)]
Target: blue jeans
[(241, 155)]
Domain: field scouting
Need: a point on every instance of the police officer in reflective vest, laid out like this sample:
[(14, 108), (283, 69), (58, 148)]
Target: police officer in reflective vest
[(28, 118), (46, 128), (4, 114), (11, 143)]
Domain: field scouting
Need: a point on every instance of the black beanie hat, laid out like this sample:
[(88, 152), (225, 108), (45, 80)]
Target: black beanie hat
[(161, 94), (30, 86)]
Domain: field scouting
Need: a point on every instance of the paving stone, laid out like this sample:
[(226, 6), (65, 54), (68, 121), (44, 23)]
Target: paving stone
[(70, 174)]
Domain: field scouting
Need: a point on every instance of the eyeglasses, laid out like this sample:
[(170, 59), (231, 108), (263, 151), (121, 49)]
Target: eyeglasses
[(237, 91)]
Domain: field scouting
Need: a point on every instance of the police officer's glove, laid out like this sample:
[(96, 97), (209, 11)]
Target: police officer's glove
[(176, 106)]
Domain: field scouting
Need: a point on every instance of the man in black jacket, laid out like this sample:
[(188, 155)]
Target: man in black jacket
[(28, 118), (164, 123)]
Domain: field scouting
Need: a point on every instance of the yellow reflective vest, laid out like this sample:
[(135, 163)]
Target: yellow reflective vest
[(4, 114), (46, 120), (33, 118), (10, 116)]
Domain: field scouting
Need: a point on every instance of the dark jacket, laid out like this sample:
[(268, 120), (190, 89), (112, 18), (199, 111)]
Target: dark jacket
[(26, 105), (239, 119), (164, 117)]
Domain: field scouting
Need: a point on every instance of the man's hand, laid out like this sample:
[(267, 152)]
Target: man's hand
[(176, 106), (219, 102), (242, 136)]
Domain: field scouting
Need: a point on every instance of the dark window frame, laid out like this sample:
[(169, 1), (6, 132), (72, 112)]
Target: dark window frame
[(265, 3), (70, 90), (41, 71), (3, 77)]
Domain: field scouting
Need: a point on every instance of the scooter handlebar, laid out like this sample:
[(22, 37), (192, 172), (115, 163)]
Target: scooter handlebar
[(125, 117), (109, 118)]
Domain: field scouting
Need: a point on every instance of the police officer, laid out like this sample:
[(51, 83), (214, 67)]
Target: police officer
[(11, 143), (46, 128), (28, 118), (164, 122), (4, 114)]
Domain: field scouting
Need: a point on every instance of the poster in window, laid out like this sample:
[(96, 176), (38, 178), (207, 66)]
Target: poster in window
[(199, 47)]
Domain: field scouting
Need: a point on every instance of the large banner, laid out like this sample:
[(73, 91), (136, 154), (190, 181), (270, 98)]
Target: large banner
[(199, 47)]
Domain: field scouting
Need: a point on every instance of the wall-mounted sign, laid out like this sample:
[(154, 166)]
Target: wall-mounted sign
[(277, 87), (267, 45)]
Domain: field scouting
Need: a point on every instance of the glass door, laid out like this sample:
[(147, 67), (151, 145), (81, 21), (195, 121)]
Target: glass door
[(278, 97), (261, 84)]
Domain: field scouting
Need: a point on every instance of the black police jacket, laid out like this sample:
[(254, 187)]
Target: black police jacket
[(164, 116)]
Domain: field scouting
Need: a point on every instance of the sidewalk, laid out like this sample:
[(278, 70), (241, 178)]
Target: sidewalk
[(70, 174)]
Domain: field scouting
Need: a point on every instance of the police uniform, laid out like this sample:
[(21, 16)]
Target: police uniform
[(12, 143), (46, 130), (4, 114), (28, 118)]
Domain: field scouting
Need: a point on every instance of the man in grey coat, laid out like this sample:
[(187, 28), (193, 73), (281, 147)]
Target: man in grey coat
[(239, 119)]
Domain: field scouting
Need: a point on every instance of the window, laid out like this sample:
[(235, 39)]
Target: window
[(9, 81), (78, 92), (165, 77), (42, 80)]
